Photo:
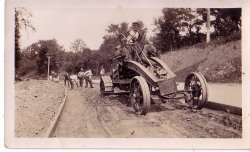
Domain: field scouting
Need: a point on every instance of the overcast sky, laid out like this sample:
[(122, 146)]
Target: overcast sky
[(89, 24), (66, 20)]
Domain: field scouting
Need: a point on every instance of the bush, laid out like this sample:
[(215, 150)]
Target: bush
[(223, 40), (26, 69), (233, 37), (215, 42)]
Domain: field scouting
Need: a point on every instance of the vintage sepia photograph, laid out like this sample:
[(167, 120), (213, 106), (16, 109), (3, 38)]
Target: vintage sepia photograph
[(132, 72)]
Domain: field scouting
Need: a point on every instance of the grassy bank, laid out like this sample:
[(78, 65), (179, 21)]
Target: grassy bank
[(218, 62)]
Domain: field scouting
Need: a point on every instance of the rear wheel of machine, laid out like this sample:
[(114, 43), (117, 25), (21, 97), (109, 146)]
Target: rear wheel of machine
[(196, 85), (140, 95)]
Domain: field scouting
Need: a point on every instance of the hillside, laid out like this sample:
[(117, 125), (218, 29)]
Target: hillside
[(218, 62)]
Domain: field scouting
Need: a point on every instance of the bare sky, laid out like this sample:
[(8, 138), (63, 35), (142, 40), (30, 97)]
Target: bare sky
[(89, 24)]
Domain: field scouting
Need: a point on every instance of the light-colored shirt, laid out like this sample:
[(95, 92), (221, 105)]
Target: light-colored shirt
[(73, 77), (88, 73), (132, 36), (81, 74), (102, 72)]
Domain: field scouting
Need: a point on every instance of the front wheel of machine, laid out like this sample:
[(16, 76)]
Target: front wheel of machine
[(140, 95), (196, 85)]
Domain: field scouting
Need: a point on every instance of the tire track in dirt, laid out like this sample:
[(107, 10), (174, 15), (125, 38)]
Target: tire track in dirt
[(162, 122), (197, 124), (125, 123), (79, 118), (88, 114)]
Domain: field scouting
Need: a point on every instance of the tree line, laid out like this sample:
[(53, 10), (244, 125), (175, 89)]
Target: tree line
[(176, 28), (180, 27)]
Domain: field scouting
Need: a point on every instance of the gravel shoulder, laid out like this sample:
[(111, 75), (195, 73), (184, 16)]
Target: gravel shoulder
[(36, 103)]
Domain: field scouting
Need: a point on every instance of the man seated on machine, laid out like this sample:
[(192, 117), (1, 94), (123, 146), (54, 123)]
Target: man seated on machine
[(133, 37), (129, 48), (148, 51), (121, 55)]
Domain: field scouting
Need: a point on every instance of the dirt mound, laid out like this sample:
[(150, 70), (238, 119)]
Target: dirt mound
[(218, 63), (37, 102)]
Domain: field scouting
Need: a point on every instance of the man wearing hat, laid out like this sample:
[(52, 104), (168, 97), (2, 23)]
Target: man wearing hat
[(81, 77), (87, 76), (133, 36), (67, 79), (102, 71)]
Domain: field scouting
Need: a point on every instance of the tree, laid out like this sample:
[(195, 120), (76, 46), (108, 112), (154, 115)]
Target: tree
[(22, 21), (226, 20), (111, 40), (78, 45), (28, 60), (179, 27), (169, 27), (54, 51)]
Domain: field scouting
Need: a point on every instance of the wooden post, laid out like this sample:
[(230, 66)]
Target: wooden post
[(48, 65), (208, 25)]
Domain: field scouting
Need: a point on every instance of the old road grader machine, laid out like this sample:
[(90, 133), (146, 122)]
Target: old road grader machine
[(155, 82)]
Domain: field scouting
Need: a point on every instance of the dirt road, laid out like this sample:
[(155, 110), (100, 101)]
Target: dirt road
[(88, 114)]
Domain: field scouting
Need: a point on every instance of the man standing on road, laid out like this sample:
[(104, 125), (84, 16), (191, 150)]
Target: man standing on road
[(87, 76), (74, 79), (68, 80), (102, 72), (81, 77)]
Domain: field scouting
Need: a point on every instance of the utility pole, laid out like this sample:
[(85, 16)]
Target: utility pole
[(48, 65), (208, 25)]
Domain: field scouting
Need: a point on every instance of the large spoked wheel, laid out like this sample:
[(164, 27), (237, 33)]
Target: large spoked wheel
[(140, 95), (196, 86)]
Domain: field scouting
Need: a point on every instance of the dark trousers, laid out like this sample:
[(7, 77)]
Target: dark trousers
[(88, 80), (69, 81), (81, 81), (134, 50)]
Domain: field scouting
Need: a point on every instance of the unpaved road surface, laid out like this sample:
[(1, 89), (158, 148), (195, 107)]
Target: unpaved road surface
[(87, 114)]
